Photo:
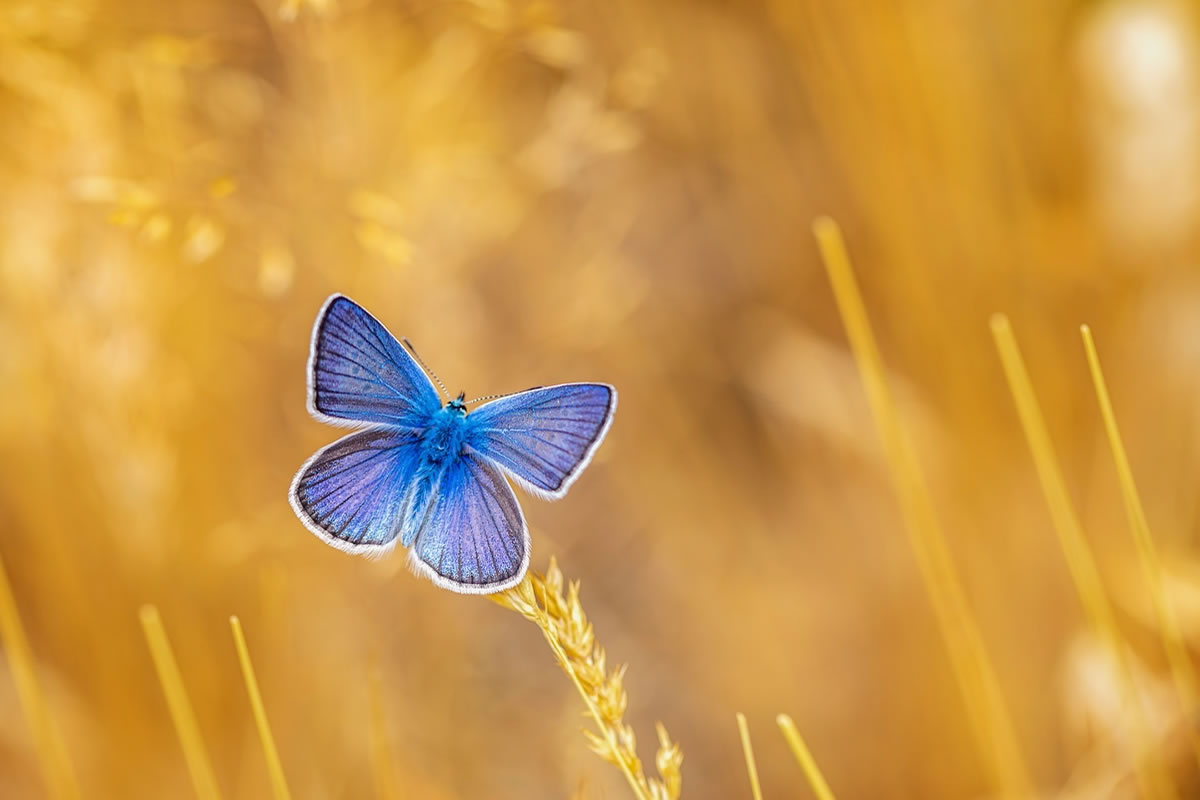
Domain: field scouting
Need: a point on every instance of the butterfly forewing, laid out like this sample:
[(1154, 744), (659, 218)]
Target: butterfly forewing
[(350, 492), (360, 373), (473, 537), (544, 437)]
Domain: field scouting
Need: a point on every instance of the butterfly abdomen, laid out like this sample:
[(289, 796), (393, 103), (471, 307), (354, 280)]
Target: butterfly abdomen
[(441, 443)]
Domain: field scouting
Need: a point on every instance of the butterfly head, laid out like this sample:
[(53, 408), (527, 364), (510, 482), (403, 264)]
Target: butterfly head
[(458, 404)]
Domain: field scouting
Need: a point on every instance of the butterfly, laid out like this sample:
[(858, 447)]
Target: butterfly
[(431, 474)]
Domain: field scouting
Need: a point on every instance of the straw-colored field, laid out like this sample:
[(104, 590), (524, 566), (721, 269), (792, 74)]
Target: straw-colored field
[(892, 512)]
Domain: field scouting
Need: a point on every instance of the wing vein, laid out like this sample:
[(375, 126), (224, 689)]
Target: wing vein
[(500, 529), (516, 454), (341, 469), (367, 367), (367, 322)]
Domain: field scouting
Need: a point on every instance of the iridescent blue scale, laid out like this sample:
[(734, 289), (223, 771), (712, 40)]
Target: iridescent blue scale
[(431, 475)]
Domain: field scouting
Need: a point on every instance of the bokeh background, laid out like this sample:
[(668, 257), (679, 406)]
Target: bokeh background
[(549, 191)]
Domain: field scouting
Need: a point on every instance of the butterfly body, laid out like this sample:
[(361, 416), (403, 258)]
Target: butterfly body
[(429, 475), (446, 435), (443, 443)]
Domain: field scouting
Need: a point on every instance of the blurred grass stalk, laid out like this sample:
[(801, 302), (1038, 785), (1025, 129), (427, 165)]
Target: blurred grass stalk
[(1183, 672), (279, 785), (570, 635), (52, 753), (199, 767), (748, 754), (990, 721), (804, 757), (1153, 780), (991, 724), (787, 727)]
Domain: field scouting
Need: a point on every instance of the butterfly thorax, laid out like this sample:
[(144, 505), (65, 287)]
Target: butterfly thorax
[(446, 434)]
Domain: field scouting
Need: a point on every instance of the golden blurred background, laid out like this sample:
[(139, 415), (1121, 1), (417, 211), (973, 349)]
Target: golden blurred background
[(542, 191)]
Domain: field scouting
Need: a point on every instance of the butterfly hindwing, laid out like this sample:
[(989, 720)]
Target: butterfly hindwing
[(359, 373), (350, 492), (544, 437), (472, 537)]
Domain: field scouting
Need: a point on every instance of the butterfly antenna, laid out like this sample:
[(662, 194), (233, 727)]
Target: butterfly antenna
[(425, 367), (498, 396), (484, 399)]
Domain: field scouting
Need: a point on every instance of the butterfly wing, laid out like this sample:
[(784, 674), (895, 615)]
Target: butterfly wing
[(473, 537), (358, 372), (544, 437), (351, 493)]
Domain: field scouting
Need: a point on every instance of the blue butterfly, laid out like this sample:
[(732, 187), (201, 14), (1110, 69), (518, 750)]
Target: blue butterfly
[(431, 474)]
